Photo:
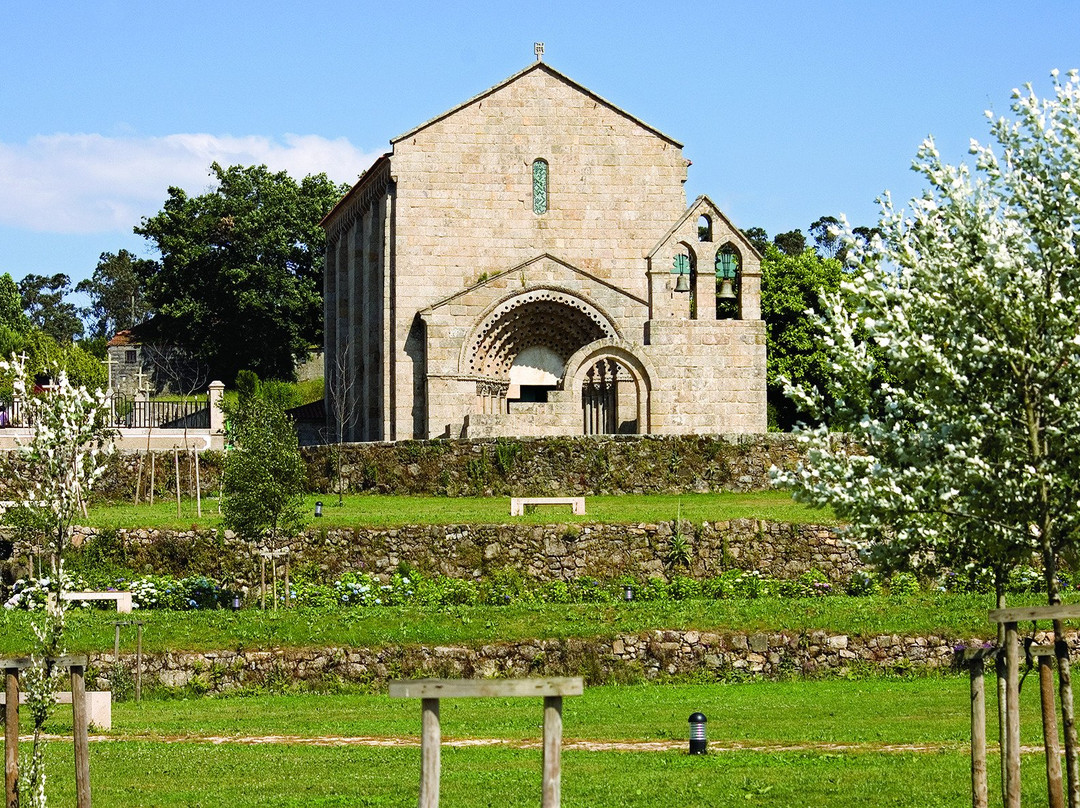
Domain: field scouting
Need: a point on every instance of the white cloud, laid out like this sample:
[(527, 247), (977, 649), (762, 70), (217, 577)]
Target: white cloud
[(87, 183)]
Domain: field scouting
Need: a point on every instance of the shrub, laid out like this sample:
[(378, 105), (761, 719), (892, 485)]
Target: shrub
[(903, 585), (684, 588), (863, 583)]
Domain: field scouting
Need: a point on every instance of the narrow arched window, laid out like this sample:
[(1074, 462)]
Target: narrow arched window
[(540, 186), (704, 228)]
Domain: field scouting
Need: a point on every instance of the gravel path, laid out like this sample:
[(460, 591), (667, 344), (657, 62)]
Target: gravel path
[(575, 744)]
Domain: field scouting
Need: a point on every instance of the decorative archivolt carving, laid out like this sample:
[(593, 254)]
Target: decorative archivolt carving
[(550, 318)]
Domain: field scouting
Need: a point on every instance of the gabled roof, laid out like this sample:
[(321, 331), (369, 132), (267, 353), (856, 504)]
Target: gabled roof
[(550, 71), (367, 178), (694, 210), (518, 268)]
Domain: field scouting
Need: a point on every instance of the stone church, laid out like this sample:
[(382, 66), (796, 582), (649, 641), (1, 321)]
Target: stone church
[(526, 264)]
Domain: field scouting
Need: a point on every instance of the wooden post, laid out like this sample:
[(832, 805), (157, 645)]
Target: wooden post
[(198, 488), (273, 576), (429, 691), (11, 738), (1012, 716), (116, 645), (979, 795), (552, 785), (430, 741), (1054, 790), (176, 464), (138, 661), (138, 478), (288, 602), (80, 729), (262, 582), (153, 469)]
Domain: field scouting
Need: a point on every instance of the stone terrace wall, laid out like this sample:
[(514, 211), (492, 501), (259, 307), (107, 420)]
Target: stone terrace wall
[(542, 552), (609, 464), (626, 657), (605, 464)]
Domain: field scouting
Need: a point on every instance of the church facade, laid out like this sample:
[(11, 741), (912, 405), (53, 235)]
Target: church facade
[(526, 264)]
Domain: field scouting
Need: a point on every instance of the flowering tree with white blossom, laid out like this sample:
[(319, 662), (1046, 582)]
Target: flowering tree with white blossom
[(969, 453), (63, 460)]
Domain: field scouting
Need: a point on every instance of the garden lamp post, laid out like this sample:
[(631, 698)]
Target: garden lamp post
[(697, 734)]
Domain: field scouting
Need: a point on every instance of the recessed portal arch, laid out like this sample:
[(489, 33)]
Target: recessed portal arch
[(518, 352)]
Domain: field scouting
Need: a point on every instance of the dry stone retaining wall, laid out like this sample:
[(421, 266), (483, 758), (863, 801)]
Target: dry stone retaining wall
[(602, 464), (541, 552), (649, 655)]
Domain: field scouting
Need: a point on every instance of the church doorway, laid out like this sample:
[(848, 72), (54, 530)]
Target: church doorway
[(535, 372), (609, 399)]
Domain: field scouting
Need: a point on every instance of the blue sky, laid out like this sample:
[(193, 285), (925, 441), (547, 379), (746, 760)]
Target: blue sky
[(788, 110)]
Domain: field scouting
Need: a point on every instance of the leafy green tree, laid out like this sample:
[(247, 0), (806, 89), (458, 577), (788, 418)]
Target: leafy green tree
[(12, 316), (45, 306), (826, 234), (264, 473), (791, 290), (758, 237), (239, 284), (793, 242), (116, 295), (971, 454)]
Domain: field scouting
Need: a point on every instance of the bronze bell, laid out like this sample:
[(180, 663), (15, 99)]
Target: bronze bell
[(683, 282), (727, 292)]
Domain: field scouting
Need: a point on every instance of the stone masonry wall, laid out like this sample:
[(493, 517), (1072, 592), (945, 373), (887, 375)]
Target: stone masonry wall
[(609, 464), (541, 552), (626, 657), (603, 464)]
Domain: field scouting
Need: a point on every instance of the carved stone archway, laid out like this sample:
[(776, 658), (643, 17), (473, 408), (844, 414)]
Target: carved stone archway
[(548, 321)]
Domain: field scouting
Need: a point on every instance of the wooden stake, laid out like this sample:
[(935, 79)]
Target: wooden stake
[(138, 478), (979, 796), (198, 487), (430, 741), (138, 661), (1068, 719), (153, 470), (176, 463), (287, 600), (1012, 716), (81, 732), (273, 577), (262, 583), (552, 787), (11, 738), (1050, 733)]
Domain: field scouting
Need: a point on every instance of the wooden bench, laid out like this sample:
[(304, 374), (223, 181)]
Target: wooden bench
[(429, 691), (123, 599), (98, 705), (517, 504)]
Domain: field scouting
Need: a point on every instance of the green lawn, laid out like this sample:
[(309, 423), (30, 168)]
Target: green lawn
[(378, 510), (953, 616), (824, 744)]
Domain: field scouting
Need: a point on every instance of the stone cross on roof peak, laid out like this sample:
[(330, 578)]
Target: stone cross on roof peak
[(538, 49)]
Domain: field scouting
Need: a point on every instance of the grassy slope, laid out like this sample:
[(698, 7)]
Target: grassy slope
[(775, 506), (921, 711), (952, 616)]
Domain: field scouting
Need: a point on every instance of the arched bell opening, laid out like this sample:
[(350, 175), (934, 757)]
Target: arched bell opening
[(728, 266)]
